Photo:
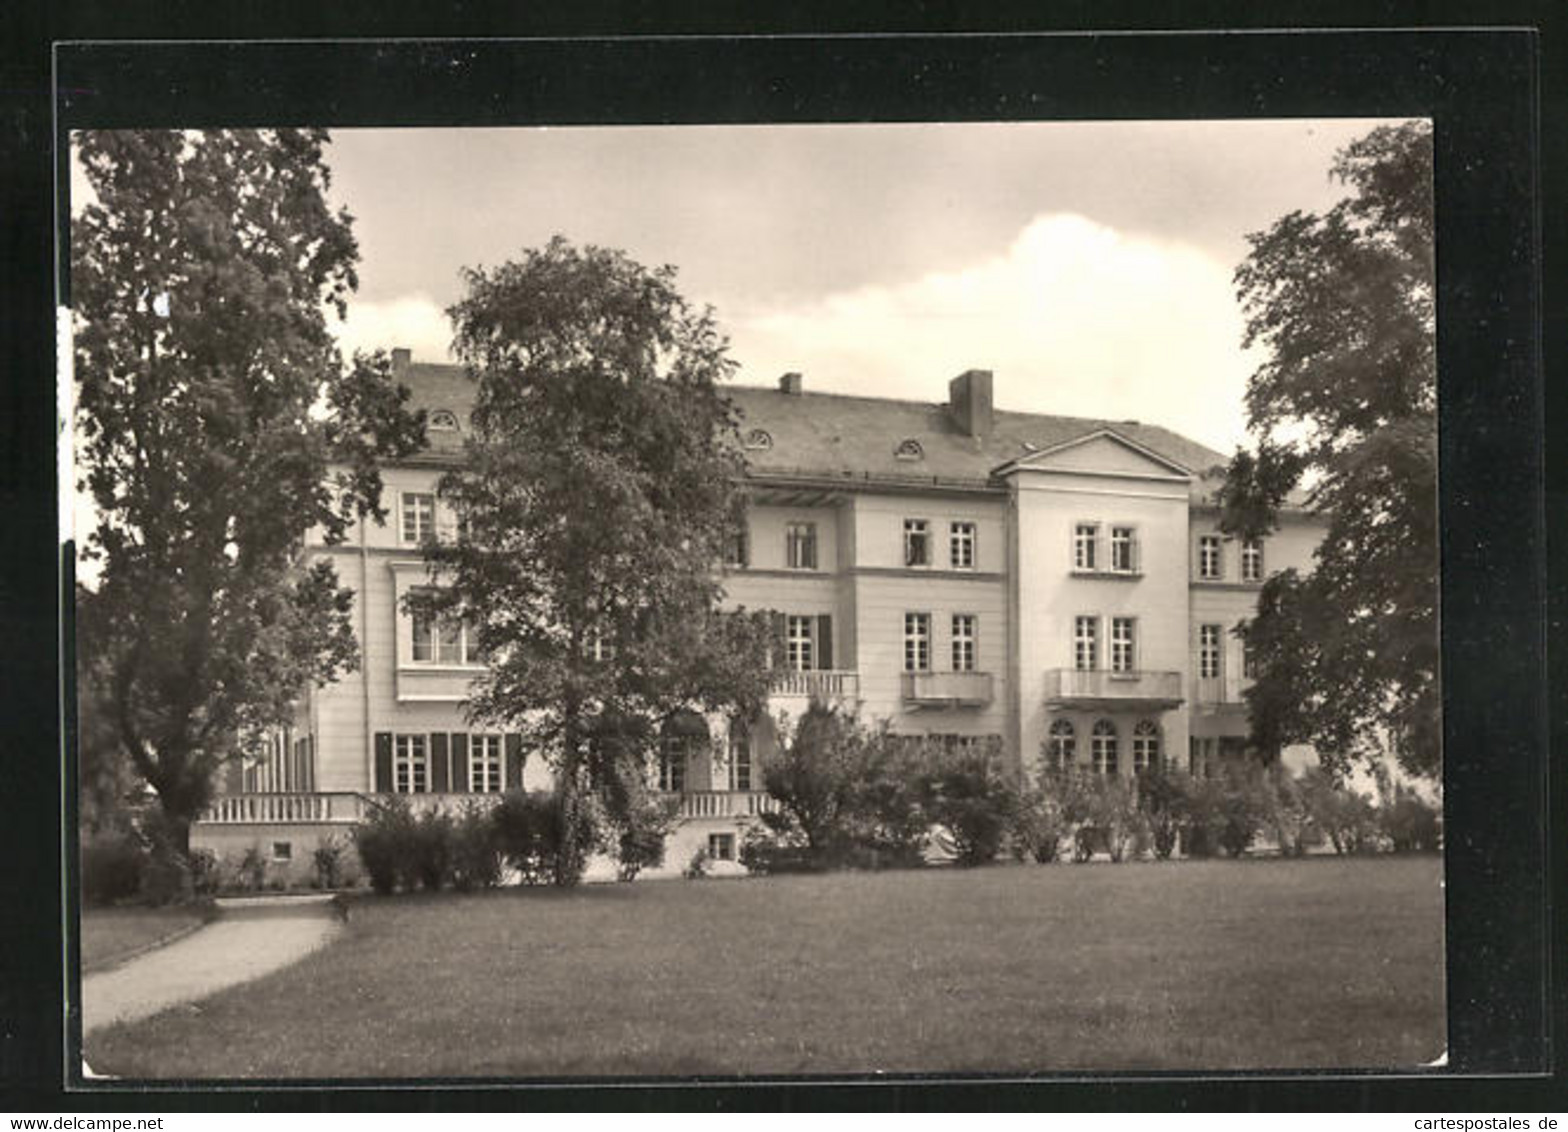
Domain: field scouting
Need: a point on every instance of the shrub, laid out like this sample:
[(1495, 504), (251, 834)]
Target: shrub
[(1114, 813), (971, 795), (1202, 817), (641, 833), (889, 823), (112, 868), (205, 873), (1162, 799), (475, 849), (252, 870), (1241, 811), (431, 852), (531, 829), (1347, 818), (384, 841), (818, 778), (1410, 823), (1038, 827), (166, 877), (327, 862), (1286, 812), (697, 867)]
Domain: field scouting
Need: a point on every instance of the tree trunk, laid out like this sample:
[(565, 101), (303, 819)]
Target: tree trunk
[(568, 855)]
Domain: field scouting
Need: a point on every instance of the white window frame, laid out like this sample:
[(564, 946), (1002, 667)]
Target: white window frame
[(1105, 748), (917, 642), (966, 641), (1086, 546), (1086, 642), (800, 642), (441, 648), (486, 763), (1249, 661), (1211, 559), (1145, 745), (962, 544), (1124, 644), (673, 756), (417, 517), (1209, 651), (410, 763), (1252, 560), (1124, 538), (800, 545), (739, 760), (917, 533), (1061, 744), (721, 846)]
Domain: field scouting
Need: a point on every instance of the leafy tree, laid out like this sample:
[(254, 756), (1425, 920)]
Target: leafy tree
[(972, 795), (818, 778), (599, 489), (1344, 406), (213, 407)]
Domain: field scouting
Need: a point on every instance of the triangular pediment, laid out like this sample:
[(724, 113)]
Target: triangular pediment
[(1103, 452)]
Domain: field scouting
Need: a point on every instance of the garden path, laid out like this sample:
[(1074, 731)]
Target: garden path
[(251, 938)]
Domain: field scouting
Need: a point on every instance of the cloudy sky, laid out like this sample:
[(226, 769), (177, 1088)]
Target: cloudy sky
[(1088, 265)]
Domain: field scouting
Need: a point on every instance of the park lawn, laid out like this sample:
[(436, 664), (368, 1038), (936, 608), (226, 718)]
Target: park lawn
[(1255, 964), (111, 935)]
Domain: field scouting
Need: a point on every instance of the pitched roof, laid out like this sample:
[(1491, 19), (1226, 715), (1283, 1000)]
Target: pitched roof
[(841, 435)]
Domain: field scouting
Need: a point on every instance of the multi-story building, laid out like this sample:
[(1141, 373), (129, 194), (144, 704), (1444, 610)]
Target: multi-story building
[(955, 570)]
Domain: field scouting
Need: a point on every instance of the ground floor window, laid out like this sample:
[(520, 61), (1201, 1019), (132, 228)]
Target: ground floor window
[(1060, 745), (484, 764), (1103, 748), (1145, 745), (411, 765), (721, 846)]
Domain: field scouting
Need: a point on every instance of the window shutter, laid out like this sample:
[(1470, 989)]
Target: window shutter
[(459, 763), (778, 651), (383, 762), (825, 641), (438, 763), (514, 762)]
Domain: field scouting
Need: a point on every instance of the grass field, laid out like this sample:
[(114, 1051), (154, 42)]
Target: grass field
[(1174, 965), (111, 934)]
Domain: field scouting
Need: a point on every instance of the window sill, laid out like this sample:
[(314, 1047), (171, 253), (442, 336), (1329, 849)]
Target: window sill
[(1123, 575), (426, 666)]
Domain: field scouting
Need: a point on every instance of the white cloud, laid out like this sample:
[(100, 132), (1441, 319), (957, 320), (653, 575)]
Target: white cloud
[(415, 321), (1074, 318)]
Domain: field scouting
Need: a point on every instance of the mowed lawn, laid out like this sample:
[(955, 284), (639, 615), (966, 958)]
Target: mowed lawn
[(110, 935), (1220, 964)]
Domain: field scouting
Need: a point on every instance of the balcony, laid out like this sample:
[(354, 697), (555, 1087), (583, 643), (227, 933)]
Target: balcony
[(1070, 687), (726, 803), (947, 689), (285, 809), (827, 684), (1220, 695)]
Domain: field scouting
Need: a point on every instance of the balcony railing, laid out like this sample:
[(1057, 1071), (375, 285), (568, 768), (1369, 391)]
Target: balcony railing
[(1071, 687), (726, 803), (948, 689), (825, 684), (1220, 693), (285, 809)]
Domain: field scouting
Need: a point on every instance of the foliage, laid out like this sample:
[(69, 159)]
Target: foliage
[(206, 874), (431, 853), (1410, 823), (1342, 305), (111, 868), (213, 405), (972, 795), (1346, 817), (890, 798), (251, 872), (599, 488), (384, 841), (327, 861), (1202, 816), (1242, 810), (1285, 811), (475, 849), (1162, 797), (641, 829), (817, 778), (541, 839), (1038, 826), (697, 867)]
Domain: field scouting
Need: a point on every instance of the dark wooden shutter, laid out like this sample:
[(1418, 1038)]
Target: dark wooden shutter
[(438, 763), (459, 763), (514, 761), (824, 641), (778, 654), (383, 762)]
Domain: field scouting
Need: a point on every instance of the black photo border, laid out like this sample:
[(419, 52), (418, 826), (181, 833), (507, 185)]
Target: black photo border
[(1482, 87)]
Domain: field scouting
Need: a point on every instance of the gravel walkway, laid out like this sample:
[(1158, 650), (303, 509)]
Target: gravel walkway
[(250, 939)]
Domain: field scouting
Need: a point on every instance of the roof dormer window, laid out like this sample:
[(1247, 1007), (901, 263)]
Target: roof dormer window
[(758, 440), (443, 420), (909, 449)]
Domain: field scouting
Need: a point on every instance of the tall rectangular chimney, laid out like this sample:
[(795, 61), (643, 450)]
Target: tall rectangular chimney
[(969, 399)]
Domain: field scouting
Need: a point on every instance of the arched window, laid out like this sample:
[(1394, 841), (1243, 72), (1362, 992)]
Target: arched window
[(1102, 748), (758, 440), (1060, 745), (443, 420), (909, 449), (1145, 746), (684, 736)]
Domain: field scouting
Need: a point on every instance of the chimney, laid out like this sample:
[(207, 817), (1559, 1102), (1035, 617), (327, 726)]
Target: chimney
[(401, 357), (969, 398), (790, 383)]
